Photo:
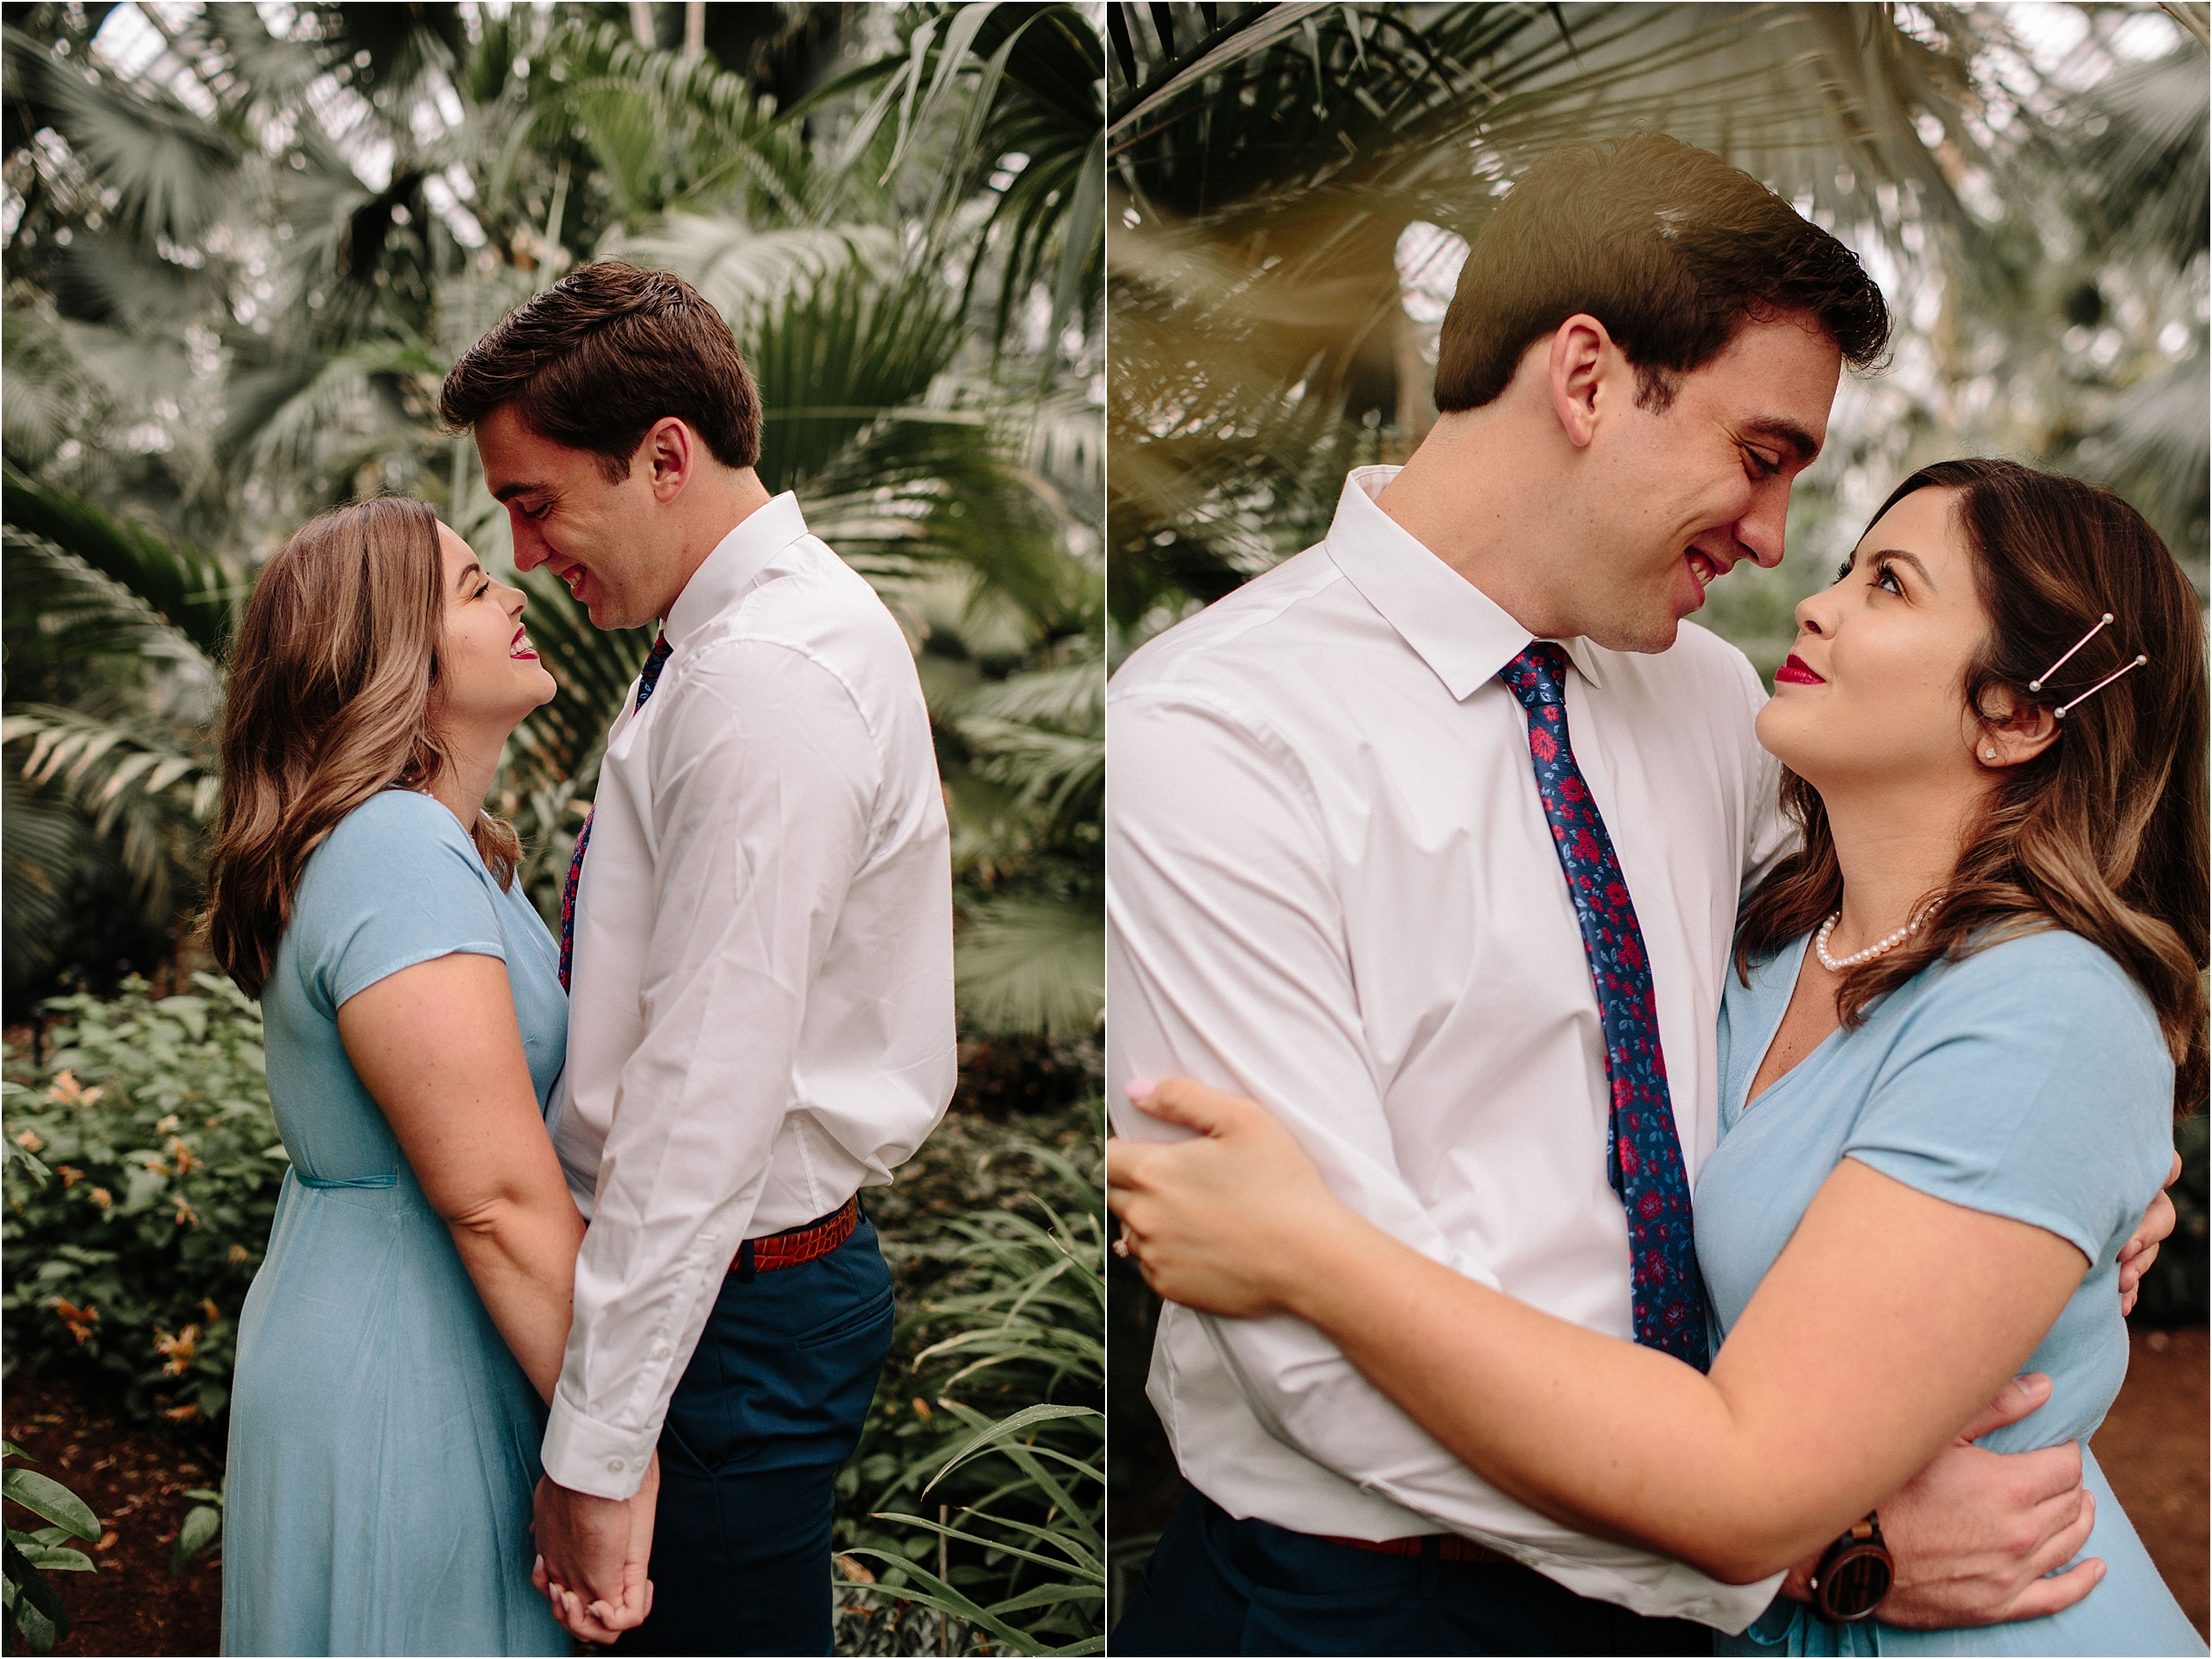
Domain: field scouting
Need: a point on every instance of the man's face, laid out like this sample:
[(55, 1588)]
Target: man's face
[(1687, 494), (596, 536)]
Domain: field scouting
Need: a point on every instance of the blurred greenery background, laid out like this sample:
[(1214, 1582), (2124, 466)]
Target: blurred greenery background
[(242, 244), (1291, 189)]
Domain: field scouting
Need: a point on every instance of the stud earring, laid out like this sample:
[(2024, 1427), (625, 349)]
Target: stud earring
[(1989, 754)]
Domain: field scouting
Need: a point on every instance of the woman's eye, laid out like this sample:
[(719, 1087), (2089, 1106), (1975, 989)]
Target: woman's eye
[(1885, 577), (1843, 570)]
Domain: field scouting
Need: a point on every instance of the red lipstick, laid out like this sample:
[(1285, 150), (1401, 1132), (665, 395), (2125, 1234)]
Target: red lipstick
[(1794, 672)]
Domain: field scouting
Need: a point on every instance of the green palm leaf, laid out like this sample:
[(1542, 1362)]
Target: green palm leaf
[(200, 595)]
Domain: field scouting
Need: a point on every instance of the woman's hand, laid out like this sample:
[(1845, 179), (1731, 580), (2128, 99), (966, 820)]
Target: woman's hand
[(2141, 1250), (603, 1621), (1230, 1222)]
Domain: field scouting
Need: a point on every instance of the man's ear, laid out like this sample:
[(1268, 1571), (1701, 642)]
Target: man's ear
[(670, 454), (1582, 360)]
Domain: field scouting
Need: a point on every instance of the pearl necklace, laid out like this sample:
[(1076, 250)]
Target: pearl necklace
[(1836, 964)]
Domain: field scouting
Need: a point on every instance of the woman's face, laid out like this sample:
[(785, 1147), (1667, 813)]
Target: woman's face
[(1873, 695), (488, 674)]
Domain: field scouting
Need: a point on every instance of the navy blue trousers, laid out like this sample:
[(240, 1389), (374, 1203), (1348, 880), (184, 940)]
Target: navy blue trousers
[(770, 1406), (1218, 1586)]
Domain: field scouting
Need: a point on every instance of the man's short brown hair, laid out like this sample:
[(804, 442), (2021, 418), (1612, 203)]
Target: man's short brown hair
[(1670, 247), (594, 360)]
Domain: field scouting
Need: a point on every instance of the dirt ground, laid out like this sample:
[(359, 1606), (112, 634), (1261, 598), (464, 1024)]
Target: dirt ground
[(2154, 1447), (134, 1480)]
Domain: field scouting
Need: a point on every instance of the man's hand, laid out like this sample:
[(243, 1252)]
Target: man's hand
[(593, 1554), (1974, 1531), (2138, 1254)]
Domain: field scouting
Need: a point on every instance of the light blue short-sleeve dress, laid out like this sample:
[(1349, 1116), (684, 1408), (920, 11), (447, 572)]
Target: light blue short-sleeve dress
[(383, 1441), (2029, 1080)]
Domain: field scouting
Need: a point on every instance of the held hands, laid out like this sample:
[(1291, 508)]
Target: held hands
[(1974, 1531), (1220, 1222), (593, 1554)]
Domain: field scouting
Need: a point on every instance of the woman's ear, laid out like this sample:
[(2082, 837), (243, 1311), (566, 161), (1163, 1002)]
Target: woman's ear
[(2011, 730)]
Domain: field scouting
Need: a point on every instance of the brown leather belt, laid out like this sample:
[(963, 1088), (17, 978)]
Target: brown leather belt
[(1449, 1546), (794, 1247)]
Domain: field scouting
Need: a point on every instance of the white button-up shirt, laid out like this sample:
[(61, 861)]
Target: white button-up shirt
[(1330, 887), (761, 1016)]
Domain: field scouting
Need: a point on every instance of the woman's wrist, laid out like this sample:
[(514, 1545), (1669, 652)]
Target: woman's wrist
[(1321, 1266)]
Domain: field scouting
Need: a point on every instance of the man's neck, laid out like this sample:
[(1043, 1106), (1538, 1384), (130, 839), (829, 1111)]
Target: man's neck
[(724, 500), (1482, 494)]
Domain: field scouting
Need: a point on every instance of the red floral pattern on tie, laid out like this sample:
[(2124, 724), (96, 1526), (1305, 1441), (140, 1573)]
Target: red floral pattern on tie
[(1643, 1154)]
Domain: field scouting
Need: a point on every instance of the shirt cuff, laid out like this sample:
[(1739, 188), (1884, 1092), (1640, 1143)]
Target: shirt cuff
[(585, 1456)]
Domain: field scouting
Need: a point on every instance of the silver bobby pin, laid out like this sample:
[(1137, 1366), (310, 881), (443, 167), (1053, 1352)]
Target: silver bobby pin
[(2102, 684), (2037, 684)]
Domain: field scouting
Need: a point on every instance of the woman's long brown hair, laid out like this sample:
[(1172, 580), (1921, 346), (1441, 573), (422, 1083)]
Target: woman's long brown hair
[(2103, 834), (328, 702)]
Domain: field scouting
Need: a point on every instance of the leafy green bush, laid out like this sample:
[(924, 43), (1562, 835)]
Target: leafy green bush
[(32, 1607), (161, 1165), (979, 1485)]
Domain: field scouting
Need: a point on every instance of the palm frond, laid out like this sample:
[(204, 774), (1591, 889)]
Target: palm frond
[(133, 780), (69, 609), (41, 843), (105, 767), (200, 595), (1032, 964), (171, 170)]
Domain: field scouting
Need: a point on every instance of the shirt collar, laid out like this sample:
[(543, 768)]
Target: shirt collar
[(1459, 631), (729, 570)]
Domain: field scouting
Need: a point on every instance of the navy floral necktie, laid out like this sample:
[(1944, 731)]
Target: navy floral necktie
[(650, 677), (1642, 1152)]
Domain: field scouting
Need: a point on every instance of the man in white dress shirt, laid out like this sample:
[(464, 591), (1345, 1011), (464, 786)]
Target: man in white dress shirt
[(758, 938), (1332, 887)]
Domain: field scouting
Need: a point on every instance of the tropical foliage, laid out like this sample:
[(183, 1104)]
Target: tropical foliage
[(133, 1238), (978, 1487), (244, 244)]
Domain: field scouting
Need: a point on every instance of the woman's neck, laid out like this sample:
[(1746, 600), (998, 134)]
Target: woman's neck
[(472, 761), (1893, 849)]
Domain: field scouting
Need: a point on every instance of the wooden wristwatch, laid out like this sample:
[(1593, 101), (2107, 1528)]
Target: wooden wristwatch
[(1854, 1574)]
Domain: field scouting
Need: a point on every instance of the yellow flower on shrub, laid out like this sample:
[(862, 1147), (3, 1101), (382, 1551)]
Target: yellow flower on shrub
[(70, 1176), (178, 1349), (28, 1140), (239, 1253), (179, 1150), (69, 1092), (167, 1123), (186, 1216), (80, 1320), (101, 1196)]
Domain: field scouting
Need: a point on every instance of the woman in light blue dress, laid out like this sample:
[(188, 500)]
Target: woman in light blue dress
[(1964, 1015), (410, 1314)]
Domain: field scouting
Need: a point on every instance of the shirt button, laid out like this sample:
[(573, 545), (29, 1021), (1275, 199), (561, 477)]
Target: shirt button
[(639, 1465), (614, 1465), (663, 1351)]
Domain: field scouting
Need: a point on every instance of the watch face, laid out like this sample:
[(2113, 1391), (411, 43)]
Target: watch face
[(1857, 1580)]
